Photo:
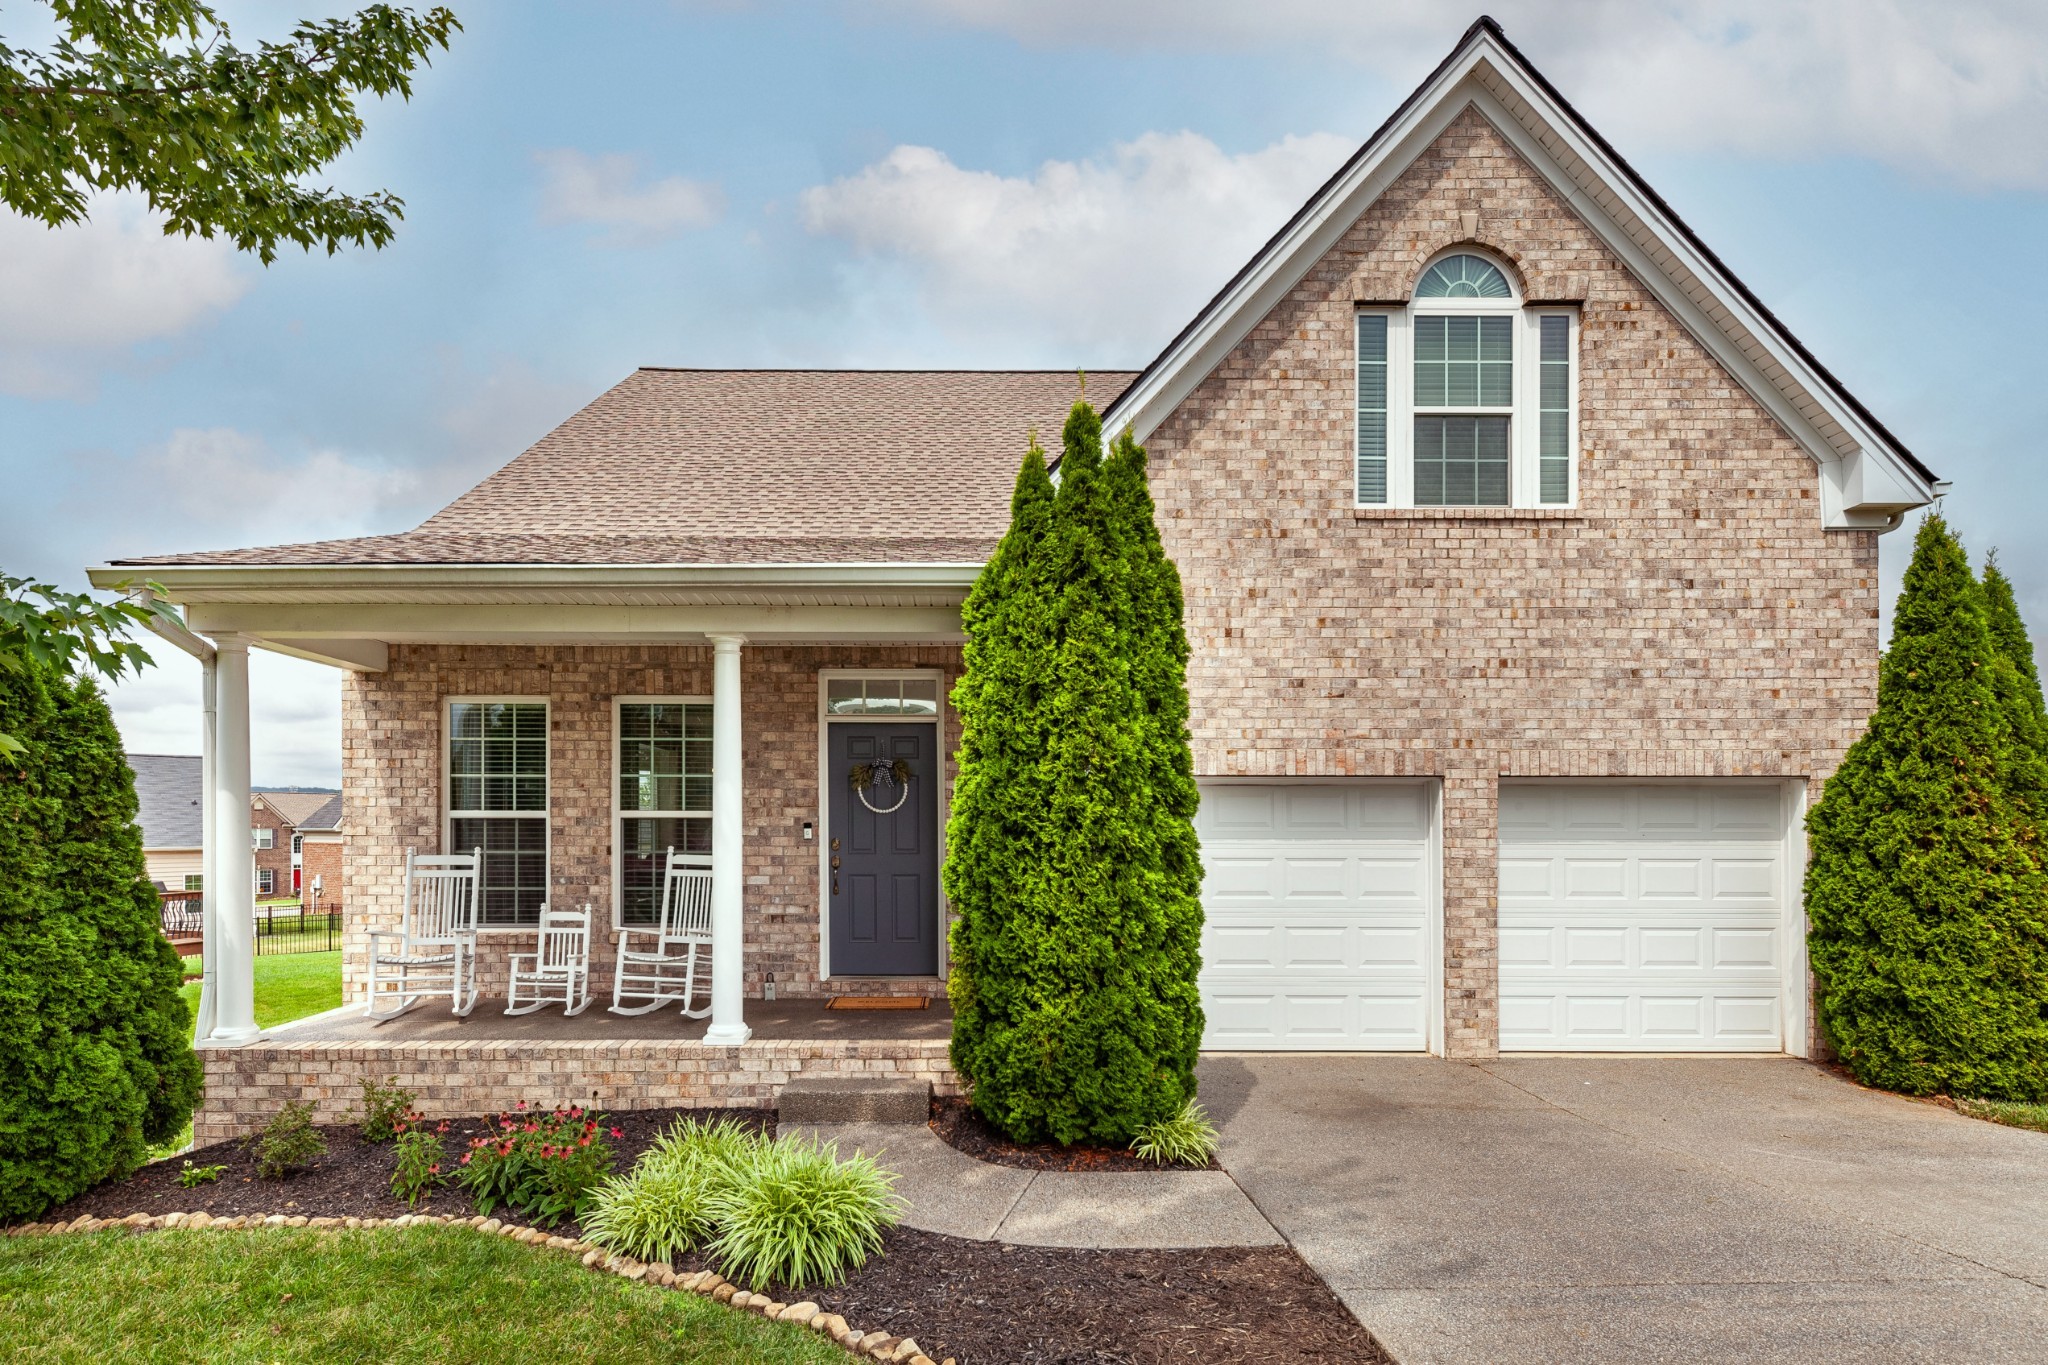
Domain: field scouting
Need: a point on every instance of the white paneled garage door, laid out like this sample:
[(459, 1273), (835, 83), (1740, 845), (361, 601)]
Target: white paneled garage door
[(1320, 903), (1642, 917)]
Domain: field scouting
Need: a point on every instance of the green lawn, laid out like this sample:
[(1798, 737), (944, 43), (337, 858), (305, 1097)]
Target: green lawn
[(400, 1295), (288, 986), (2012, 1113)]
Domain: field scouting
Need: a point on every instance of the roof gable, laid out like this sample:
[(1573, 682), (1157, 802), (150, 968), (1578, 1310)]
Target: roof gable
[(1868, 478)]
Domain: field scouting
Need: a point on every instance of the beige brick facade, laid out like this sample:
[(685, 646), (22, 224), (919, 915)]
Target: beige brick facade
[(245, 1087), (1689, 617), (393, 764)]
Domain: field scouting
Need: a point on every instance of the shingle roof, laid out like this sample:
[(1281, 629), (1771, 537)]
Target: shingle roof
[(169, 788), (297, 808), (327, 817), (745, 467)]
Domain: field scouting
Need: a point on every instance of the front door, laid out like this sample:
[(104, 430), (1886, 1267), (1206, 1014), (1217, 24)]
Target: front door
[(882, 850)]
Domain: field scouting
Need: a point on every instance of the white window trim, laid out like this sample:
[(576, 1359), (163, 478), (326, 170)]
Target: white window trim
[(1525, 420), (265, 837), (823, 828), (619, 813), (450, 816), (266, 873)]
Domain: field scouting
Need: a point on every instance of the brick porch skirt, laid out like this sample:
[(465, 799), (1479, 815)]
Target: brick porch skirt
[(246, 1086)]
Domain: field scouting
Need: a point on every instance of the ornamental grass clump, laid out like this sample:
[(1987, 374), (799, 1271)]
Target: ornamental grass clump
[(800, 1215), (1186, 1139), (547, 1165), (662, 1209)]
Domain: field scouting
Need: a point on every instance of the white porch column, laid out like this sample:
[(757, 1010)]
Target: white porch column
[(209, 840), (231, 860), (728, 848)]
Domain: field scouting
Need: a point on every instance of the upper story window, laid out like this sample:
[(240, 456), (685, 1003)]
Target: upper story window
[(1466, 397)]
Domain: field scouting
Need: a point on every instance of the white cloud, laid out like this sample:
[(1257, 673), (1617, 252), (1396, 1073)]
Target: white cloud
[(607, 190), (1110, 253), (73, 298), (1954, 89)]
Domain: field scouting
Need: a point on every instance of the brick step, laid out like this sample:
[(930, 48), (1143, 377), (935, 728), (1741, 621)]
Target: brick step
[(855, 1100)]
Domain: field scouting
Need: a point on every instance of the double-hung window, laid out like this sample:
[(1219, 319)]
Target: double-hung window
[(1466, 397), (265, 838), (498, 802), (664, 785)]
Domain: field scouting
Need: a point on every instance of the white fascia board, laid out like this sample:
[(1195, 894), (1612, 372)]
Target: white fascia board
[(228, 577), (1460, 84), (343, 633)]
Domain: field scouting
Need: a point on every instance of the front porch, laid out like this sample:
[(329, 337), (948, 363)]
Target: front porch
[(488, 1061)]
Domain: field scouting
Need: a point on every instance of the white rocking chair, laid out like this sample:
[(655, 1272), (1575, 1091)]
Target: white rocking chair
[(434, 949), (682, 929), (560, 970)]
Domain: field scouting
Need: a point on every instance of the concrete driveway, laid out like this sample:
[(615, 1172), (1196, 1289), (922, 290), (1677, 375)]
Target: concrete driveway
[(1643, 1209)]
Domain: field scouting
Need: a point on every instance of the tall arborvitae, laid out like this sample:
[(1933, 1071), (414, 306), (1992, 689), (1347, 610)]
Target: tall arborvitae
[(2009, 631), (1072, 864), (1922, 891), (96, 1060)]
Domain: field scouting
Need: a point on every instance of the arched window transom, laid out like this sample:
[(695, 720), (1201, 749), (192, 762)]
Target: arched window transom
[(1467, 396), (1464, 276)]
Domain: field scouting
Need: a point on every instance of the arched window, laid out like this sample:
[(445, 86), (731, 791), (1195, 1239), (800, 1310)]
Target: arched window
[(1465, 397)]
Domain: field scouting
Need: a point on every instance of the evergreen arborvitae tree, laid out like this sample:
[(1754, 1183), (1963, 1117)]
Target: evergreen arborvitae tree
[(2009, 632), (96, 1059), (1072, 861), (1923, 891)]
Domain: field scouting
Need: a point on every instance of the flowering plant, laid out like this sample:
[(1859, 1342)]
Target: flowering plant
[(547, 1164), (422, 1159)]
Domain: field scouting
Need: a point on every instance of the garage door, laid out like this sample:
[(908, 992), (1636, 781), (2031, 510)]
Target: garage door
[(1642, 917), (1318, 902)]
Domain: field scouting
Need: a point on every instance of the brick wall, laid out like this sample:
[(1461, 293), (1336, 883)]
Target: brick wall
[(322, 859), (1689, 618), (392, 764), (277, 859), (245, 1087)]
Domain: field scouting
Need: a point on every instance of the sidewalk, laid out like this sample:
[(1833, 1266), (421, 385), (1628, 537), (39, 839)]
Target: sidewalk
[(950, 1192)]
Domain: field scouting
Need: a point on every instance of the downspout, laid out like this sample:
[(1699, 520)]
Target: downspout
[(177, 634)]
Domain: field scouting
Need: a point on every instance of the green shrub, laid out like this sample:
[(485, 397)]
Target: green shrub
[(422, 1160), (1924, 891), (1072, 863), (289, 1142), (1186, 1139), (386, 1110), (662, 1209), (548, 1165), (96, 1060), (798, 1215), (655, 1214)]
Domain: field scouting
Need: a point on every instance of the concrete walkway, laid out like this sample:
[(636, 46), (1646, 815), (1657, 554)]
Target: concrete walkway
[(1643, 1209), (948, 1191)]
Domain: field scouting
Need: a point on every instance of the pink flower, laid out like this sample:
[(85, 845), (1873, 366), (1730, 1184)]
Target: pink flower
[(520, 1105), (465, 1158), (618, 1132), (435, 1169), (583, 1141)]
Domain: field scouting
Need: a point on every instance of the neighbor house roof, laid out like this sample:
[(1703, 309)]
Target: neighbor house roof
[(328, 817), (297, 809), (169, 789), (674, 466)]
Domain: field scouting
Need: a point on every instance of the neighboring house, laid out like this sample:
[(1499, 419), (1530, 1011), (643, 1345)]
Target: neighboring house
[(281, 821), (1531, 580), (169, 789), (318, 847)]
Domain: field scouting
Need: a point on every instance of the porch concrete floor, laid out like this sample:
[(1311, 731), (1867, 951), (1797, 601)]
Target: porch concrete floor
[(430, 1022)]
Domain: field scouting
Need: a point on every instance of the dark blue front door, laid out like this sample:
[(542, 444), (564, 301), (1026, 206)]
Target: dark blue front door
[(882, 851)]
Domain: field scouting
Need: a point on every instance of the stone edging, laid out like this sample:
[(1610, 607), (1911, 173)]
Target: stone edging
[(876, 1345)]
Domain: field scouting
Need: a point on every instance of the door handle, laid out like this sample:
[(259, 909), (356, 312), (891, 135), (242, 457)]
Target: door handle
[(835, 862), (835, 845)]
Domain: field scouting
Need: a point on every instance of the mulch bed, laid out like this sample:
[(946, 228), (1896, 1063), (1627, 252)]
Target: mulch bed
[(985, 1303), (959, 1126)]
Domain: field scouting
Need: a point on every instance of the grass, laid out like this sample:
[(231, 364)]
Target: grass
[(401, 1295), (288, 986), (2012, 1113)]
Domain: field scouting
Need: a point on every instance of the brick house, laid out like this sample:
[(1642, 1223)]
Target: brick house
[(1531, 578), (281, 823)]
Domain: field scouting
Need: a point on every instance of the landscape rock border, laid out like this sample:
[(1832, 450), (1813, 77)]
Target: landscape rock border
[(874, 1345)]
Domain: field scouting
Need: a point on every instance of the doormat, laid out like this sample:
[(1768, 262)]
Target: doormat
[(878, 1002)]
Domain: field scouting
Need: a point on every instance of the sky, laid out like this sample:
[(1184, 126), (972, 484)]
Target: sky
[(591, 187)]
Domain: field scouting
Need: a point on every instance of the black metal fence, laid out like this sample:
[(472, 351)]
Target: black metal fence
[(278, 928)]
